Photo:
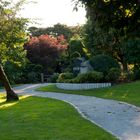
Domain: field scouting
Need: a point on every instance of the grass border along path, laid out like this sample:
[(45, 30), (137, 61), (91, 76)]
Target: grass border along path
[(129, 92), (36, 118)]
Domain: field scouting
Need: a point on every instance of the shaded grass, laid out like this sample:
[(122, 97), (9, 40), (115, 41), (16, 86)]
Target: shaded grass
[(129, 92), (36, 118)]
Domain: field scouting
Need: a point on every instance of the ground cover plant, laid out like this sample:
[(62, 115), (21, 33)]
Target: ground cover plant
[(45, 119), (128, 92)]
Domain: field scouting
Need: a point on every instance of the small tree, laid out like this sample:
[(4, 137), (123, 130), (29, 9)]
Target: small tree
[(12, 37), (45, 50), (113, 28)]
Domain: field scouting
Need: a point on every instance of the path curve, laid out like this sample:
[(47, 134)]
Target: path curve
[(120, 119)]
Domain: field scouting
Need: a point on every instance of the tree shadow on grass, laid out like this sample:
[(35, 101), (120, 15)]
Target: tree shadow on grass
[(5, 104)]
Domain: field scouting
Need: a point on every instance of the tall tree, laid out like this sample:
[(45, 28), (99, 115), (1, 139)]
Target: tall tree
[(114, 25), (12, 37), (57, 30)]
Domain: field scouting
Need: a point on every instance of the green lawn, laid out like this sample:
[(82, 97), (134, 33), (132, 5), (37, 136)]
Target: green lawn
[(36, 118), (129, 92)]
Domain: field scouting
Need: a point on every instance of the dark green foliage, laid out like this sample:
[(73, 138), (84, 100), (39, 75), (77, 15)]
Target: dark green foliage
[(137, 74), (113, 75), (132, 50), (76, 48), (113, 28), (116, 14), (130, 76), (1, 84), (103, 63), (63, 77), (27, 73), (13, 71), (31, 73), (54, 77)]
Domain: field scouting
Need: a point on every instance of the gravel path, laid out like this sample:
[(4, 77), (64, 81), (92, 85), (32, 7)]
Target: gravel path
[(120, 119)]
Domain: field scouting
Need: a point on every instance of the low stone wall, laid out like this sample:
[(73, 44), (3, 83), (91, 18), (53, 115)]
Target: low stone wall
[(82, 86)]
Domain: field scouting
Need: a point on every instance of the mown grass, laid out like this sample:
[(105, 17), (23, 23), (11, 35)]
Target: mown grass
[(129, 92), (36, 118)]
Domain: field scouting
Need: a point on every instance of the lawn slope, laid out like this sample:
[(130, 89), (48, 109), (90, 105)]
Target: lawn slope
[(36, 118), (129, 92)]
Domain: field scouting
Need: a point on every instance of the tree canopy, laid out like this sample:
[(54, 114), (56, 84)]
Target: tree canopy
[(57, 30), (12, 38), (12, 32), (113, 28), (45, 50)]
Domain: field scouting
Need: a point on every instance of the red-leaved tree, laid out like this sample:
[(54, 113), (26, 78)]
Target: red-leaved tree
[(46, 50)]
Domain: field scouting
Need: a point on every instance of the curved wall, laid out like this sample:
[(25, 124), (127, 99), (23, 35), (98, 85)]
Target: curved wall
[(82, 86)]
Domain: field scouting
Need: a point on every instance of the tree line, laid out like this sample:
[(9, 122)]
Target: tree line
[(112, 29)]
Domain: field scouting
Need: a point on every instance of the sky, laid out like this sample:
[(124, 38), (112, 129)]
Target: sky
[(50, 12)]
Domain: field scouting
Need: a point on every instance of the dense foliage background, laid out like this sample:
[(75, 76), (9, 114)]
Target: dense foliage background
[(110, 40)]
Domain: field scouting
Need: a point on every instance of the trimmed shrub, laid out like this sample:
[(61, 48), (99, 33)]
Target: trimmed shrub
[(89, 77), (113, 75), (63, 77), (103, 63)]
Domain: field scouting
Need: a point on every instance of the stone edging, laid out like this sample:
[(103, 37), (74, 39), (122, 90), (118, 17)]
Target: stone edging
[(74, 86)]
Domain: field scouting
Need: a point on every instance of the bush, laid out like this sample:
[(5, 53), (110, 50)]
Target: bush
[(54, 77), (27, 73), (103, 63), (113, 75), (32, 77), (89, 77), (63, 77), (31, 74)]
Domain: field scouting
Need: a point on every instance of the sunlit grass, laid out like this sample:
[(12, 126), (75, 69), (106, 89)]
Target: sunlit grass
[(4, 104), (36, 118), (7, 105), (129, 92), (2, 98)]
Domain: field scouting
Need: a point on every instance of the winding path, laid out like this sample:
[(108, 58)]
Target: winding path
[(120, 119)]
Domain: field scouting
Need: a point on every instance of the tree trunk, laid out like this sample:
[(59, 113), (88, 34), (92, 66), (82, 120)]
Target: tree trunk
[(11, 95), (123, 62), (125, 66)]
